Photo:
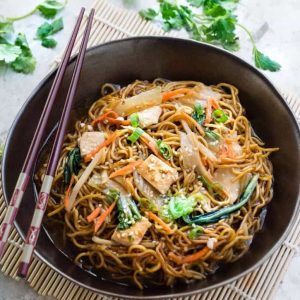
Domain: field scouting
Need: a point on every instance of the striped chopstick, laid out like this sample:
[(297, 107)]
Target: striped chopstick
[(35, 226), (32, 153)]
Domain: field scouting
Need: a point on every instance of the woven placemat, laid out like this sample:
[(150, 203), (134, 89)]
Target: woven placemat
[(113, 23)]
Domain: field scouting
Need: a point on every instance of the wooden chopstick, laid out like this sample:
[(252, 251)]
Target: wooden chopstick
[(35, 226), (32, 153)]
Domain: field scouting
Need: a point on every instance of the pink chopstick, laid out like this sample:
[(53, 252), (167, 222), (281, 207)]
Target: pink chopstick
[(32, 153), (35, 226)]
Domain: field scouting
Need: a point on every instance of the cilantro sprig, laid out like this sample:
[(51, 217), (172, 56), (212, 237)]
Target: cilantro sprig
[(214, 23)]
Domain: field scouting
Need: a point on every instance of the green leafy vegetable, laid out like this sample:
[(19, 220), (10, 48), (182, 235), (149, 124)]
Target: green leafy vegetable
[(113, 195), (215, 216), (49, 43), (9, 53), (137, 133), (128, 213), (196, 232), (264, 62), (214, 23), (148, 14), (72, 165), (180, 205), (219, 116), (198, 114), (6, 26), (164, 149), (47, 29), (50, 8), (134, 119)]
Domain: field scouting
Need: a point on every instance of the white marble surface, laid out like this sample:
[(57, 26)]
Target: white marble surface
[(281, 40)]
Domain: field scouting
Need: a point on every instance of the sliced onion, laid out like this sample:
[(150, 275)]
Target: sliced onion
[(140, 102)]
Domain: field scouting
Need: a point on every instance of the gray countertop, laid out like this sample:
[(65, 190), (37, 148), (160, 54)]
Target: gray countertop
[(275, 25)]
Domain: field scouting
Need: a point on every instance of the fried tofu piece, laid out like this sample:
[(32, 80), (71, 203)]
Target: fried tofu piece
[(160, 175), (133, 235), (89, 141)]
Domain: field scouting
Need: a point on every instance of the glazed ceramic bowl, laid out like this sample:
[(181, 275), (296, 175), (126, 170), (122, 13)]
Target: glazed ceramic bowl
[(147, 58)]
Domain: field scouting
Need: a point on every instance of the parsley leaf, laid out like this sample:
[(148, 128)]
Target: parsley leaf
[(49, 43), (44, 30), (6, 26), (25, 62), (50, 8), (264, 62), (148, 14)]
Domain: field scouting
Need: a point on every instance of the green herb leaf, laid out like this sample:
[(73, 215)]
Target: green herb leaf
[(47, 29), (219, 116), (211, 135), (49, 43), (196, 232), (134, 119), (50, 8), (148, 14), (164, 149), (264, 62), (57, 25), (196, 3), (9, 53), (25, 62), (198, 113), (137, 133)]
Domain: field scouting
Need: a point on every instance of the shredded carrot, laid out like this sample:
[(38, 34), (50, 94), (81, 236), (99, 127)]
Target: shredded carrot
[(111, 117), (102, 218), (208, 118), (226, 150), (107, 142), (159, 221), (91, 217), (214, 104), (150, 145), (189, 258), (68, 192), (171, 94), (126, 170)]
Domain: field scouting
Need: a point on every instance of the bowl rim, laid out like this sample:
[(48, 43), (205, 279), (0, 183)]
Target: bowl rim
[(240, 61)]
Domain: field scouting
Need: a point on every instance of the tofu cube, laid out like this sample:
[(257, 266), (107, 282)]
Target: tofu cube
[(160, 175)]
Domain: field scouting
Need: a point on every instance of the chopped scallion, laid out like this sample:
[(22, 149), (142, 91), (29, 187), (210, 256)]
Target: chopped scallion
[(136, 134), (134, 119), (219, 116), (164, 149)]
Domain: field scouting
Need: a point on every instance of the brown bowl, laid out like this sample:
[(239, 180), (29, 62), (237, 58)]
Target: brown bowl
[(176, 59)]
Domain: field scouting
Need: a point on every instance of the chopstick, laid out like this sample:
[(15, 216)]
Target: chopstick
[(32, 153), (35, 226)]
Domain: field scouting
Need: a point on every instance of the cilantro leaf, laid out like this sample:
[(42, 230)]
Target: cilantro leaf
[(57, 25), (49, 43), (264, 62), (196, 3), (44, 30), (148, 14), (49, 8), (6, 26), (8, 53), (25, 62)]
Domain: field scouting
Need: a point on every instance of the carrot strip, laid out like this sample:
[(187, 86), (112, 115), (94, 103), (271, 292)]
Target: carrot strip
[(214, 104), (91, 217), (111, 117), (126, 170), (167, 95), (107, 142), (226, 150), (68, 192), (159, 221), (102, 218), (150, 145), (208, 118), (189, 258)]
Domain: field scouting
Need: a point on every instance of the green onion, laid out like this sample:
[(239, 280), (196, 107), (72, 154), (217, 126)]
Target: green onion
[(219, 116), (164, 149), (196, 232), (211, 135), (180, 206), (134, 119), (137, 133), (198, 113)]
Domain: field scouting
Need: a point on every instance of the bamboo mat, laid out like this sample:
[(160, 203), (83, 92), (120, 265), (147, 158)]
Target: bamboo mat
[(113, 23)]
